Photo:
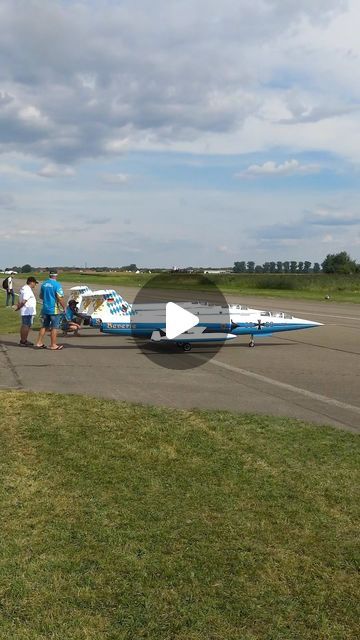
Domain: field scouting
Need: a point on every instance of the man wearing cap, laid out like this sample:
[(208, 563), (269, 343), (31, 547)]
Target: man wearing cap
[(51, 294), (27, 308)]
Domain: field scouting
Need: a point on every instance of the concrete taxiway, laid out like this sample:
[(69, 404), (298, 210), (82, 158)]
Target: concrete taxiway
[(313, 375)]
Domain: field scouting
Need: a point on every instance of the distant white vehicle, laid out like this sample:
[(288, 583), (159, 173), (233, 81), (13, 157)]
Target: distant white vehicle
[(11, 273)]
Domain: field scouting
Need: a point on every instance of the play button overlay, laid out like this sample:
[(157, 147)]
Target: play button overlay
[(176, 316), (178, 320)]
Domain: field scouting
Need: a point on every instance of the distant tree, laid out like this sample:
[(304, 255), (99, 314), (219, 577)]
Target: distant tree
[(307, 266), (293, 266), (286, 266), (339, 263), (26, 268), (259, 269), (266, 267), (251, 266), (279, 266), (129, 267), (316, 268), (272, 267), (300, 267), (239, 267)]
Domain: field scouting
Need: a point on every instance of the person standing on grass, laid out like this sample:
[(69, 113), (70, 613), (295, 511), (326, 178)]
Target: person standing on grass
[(27, 308), (51, 294), (10, 291)]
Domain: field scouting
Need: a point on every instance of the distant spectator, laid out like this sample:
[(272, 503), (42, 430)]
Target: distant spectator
[(9, 287), (27, 308), (51, 294), (68, 321)]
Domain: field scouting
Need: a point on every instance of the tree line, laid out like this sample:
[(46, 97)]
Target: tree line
[(333, 263)]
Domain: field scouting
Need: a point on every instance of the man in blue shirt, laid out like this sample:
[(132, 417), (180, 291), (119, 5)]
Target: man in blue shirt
[(51, 294)]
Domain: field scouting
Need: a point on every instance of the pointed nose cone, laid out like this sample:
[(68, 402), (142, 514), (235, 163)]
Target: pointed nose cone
[(307, 324)]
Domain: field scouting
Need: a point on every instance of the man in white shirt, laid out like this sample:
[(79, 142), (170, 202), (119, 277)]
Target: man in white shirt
[(27, 308)]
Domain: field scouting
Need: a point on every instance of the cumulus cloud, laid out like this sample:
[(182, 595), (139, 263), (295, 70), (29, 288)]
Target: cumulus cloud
[(270, 168), (55, 171), (302, 112), (93, 79), (116, 146), (310, 225), (82, 83), (324, 217)]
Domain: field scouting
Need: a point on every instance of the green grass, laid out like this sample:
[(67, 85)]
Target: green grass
[(10, 319), (125, 522), (341, 288)]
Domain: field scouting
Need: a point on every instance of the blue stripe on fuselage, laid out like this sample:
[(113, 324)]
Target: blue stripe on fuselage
[(147, 328), (274, 328)]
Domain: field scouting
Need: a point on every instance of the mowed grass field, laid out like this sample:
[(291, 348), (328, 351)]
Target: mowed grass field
[(127, 522), (344, 288), (340, 288)]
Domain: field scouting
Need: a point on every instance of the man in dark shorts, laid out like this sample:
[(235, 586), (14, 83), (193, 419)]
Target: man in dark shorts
[(51, 294), (27, 308)]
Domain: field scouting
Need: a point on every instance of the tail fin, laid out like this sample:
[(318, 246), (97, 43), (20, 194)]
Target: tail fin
[(77, 293), (104, 304), (116, 303)]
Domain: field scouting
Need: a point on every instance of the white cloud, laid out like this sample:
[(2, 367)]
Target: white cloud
[(223, 248), (83, 82), (327, 238), (101, 78), (32, 115), (14, 171), (332, 217), (56, 171), (116, 178), (116, 146), (270, 168)]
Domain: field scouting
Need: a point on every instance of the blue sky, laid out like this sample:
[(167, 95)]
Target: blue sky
[(226, 131)]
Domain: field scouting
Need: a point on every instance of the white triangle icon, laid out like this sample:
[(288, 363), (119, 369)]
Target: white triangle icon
[(178, 320)]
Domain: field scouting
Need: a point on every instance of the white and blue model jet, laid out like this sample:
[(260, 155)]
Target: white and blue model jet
[(187, 324)]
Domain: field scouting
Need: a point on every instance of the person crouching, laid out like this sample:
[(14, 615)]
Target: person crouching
[(68, 321)]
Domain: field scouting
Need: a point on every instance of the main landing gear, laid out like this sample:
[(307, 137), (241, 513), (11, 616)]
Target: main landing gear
[(252, 342), (185, 346)]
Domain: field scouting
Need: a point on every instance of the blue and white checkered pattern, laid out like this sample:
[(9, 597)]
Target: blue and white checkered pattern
[(116, 306)]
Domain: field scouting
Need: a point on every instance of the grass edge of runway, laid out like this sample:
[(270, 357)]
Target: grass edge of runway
[(125, 521)]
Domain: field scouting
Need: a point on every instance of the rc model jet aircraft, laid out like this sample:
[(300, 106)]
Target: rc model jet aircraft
[(184, 323)]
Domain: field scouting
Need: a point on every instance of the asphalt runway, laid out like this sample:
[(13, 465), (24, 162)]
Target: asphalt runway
[(313, 374)]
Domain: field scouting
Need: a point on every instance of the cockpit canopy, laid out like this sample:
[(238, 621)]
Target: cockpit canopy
[(238, 307), (276, 314)]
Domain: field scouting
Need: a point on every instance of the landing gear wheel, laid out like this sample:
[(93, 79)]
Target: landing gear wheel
[(186, 346), (251, 343)]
